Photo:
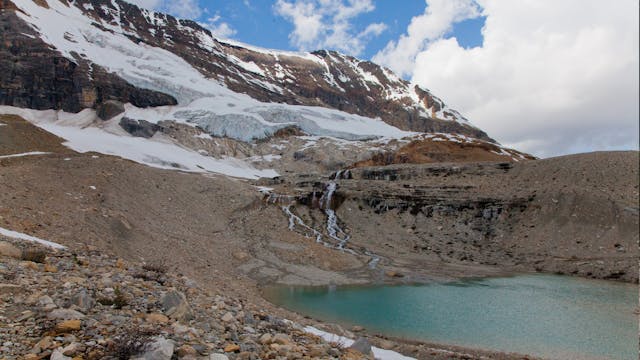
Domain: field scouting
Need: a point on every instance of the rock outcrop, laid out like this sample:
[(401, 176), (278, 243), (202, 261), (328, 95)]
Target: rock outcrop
[(35, 76)]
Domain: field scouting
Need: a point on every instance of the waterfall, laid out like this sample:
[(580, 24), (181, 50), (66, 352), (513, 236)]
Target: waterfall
[(336, 235)]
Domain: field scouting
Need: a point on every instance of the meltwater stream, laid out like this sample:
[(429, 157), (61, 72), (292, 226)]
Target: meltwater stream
[(550, 316), (336, 236)]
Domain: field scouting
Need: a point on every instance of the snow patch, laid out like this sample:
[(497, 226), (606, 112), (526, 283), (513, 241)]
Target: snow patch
[(21, 236), (31, 153), (379, 354)]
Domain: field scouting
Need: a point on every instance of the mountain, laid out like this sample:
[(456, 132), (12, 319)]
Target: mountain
[(173, 77), (184, 175), (95, 50)]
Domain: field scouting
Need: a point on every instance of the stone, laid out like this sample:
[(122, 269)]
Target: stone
[(159, 349), (351, 354), (65, 314), (11, 289), (44, 344), (175, 306), (58, 355), (109, 109), (282, 339), (156, 318), (30, 265), (357, 328), (227, 317), (241, 255), (10, 250), (120, 264), (362, 346), (186, 350), (83, 300), (46, 302), (218, 357), (68, 326), (139, 128), (392, 273), (50, 268), (73, 348), (265, 339), (231, 348)]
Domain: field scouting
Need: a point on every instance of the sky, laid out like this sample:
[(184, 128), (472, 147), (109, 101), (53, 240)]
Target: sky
[(548, 77)]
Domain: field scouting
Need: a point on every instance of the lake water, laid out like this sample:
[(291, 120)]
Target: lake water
[(551, 316)]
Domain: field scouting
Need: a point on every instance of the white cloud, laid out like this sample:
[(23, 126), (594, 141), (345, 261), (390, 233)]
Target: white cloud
[(437, 20), (187, 9), (552, 77), (219, 29), (327, 24)]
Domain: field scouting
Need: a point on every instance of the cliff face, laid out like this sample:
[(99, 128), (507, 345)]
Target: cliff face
[(36, 75)]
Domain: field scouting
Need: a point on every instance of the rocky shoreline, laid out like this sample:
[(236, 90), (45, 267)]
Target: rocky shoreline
[(63, 304), (86, 304)]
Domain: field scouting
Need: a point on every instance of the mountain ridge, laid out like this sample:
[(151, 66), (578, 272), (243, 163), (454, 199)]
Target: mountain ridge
[(321, 78)]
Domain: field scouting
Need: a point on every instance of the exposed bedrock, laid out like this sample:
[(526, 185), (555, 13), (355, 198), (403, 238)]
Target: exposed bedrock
[(35, 76), (547, 215)]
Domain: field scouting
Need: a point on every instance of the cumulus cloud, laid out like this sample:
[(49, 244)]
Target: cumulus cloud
[(552, 77), (218, 28), (327, 24), (437, 20)]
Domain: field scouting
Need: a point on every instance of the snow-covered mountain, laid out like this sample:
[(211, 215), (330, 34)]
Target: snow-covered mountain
[(74, 55)]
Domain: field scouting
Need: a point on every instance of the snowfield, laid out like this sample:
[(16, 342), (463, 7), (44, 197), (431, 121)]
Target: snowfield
[(156, 152)]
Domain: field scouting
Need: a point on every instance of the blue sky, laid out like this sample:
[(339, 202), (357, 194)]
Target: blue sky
[(258, 22)]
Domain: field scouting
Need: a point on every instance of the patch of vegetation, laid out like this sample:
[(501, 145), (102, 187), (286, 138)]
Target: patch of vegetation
[(118, 301), (131, 342), (35, 255)]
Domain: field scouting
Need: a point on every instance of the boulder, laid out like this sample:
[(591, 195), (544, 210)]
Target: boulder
[(58, 355), (159, 349), (10, 250), (139, 128), (362, 346), (65, 314), (68, 326), (83, 300), (175, 306), (218, 357), (109, 109)]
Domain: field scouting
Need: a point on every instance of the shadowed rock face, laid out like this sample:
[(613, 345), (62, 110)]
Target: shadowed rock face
[(37, 77), (570, 215), (32, 75)]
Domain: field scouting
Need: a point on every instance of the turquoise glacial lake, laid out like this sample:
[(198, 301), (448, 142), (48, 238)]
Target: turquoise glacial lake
[(550, 316)]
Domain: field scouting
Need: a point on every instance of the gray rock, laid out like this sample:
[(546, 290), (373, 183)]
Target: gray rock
[(10, 250), (139, 128), (159, 349), (218, 357), (58, 355), (65, 314), (109, 109), (175, 306), (83, 300), (361, 345)]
